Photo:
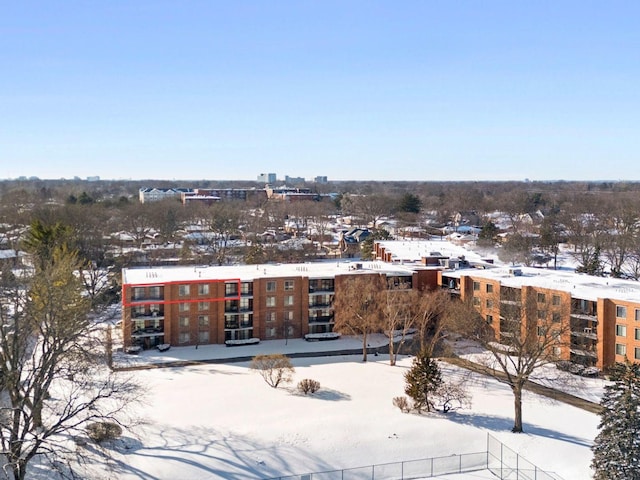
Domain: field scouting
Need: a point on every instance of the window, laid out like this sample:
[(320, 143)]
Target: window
[(555, 317), (230, 289), (288, 285), (288, 300), (556, 300), (476, 301), (489, 319), (637, 353), (271, 286), (202, 306), (203, 336), (183, 322), (542, 314), (184, 337), (542, 331), (288, 316), (271, 317), (557, 351), (621, 349), (621, 330), (637, 333), (621, 311), (489, 288), (203, 320), (183, 307), (489, 303), (637, 315), (138, 293), (271, 301), (246, 288), (183, 290), (541, 298), (476, 286), (203, 289), (246, 304), (271, 332)]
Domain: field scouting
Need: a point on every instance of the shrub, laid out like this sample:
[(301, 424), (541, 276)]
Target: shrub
[(402, 403), (308, 385), (275, 368), (102, 431)]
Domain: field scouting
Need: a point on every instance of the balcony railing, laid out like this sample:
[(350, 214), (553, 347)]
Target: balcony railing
[(148, 332), (320, 305), (322, 319), (586, 333)]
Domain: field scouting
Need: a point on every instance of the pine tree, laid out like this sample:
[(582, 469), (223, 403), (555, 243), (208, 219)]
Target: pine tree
[(616, 449), (422, 382)]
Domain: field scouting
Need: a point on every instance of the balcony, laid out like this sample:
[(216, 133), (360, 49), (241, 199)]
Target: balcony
[(320, 305), (150, 298), (584, 316), (321, 319), (318, 287), (585, 333), (148, 316), (148, 332)]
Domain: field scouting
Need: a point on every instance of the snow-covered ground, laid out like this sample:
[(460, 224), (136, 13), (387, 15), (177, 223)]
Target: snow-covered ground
[(224, 421)]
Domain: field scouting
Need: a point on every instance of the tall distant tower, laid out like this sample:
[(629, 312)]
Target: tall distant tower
[(267, 178)]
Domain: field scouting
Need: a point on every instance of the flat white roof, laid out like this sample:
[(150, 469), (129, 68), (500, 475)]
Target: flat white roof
[(415, 250), (581, 286), (146, 275)]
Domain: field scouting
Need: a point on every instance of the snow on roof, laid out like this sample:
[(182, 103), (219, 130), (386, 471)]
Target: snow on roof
[(147, 275), (581, 286), (415, 250)]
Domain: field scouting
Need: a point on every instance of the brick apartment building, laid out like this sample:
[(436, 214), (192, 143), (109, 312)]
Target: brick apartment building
[(214, 305)]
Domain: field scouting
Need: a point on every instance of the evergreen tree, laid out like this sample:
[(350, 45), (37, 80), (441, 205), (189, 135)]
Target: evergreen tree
[(616, 449), (423, 381), (410, 203)]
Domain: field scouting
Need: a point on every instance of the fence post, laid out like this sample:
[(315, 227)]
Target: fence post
[(402, 470), (501, 464)]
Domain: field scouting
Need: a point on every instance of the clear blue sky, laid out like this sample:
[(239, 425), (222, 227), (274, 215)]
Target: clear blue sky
[(381, 90)]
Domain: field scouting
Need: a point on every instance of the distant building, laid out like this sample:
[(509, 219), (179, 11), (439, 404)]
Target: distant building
[(95, 178), (290, 194), (267, 178), (321, 179), (210, 195), (293, 180), (156, 194)]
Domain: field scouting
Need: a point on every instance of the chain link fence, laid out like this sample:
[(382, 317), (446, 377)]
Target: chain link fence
[(499, 459)]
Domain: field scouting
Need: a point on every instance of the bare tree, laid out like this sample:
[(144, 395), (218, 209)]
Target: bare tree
[(532, 331), (223, 222), (358, 306), (274, 368), (53, 375), (397, 320), (430, 312)]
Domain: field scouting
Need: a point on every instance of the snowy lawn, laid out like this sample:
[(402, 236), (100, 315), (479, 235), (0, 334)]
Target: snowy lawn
[(224, 421)]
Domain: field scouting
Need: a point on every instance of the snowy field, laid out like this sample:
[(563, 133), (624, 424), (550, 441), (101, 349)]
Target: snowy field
[(223, 421)]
